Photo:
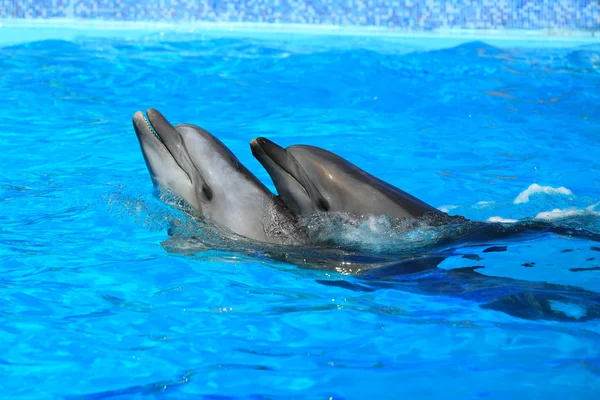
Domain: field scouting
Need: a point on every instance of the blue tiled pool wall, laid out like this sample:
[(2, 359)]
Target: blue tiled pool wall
[(401, 14)]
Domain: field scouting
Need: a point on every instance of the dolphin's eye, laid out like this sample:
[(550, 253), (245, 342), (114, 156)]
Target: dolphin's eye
[(207, 192), (323, 204)]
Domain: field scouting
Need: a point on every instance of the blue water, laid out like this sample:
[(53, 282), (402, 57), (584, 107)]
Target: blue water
[(94, 305)]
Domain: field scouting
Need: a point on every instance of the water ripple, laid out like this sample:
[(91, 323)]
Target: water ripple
[(94, 307)]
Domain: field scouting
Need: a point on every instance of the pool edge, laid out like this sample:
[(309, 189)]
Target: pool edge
[(98, 24)]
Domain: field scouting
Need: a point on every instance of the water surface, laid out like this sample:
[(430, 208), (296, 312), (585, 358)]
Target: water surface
[(93, 304)]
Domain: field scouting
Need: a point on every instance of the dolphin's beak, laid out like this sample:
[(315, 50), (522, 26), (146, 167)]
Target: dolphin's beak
[(169, 137), (164, 130), (274, 157), (143, 128), (155, 152), (290, 179), (156, 127), (157, 138)]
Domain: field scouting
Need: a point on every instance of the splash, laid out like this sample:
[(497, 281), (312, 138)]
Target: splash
[(343, 242), (558, 214), (372, 233), (151, 212), (340, 240), (153, 217), (533, 189), (502, 220), (447, 207)]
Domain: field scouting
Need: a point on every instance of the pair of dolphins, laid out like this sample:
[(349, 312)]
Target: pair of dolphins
[(198, 168), (194, 165)]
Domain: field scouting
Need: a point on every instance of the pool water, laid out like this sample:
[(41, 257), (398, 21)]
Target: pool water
[(93, 305)]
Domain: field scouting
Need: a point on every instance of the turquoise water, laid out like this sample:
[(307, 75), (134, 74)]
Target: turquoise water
[(95, 306)]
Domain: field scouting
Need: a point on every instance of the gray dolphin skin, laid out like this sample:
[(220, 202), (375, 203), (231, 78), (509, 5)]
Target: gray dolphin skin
[(195, 166), (310, 179)]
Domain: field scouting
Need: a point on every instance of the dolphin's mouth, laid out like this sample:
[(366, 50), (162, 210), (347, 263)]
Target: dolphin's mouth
[(140, 119), (154, 127), (149, 124)]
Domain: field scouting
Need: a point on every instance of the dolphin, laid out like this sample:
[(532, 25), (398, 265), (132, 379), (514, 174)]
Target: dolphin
[(195, 166), (310, 179)]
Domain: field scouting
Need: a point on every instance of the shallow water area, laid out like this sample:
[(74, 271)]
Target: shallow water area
[(95, 305)]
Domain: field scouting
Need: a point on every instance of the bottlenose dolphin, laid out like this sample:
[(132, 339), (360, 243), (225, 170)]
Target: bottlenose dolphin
[(310, 179), (192, 164)]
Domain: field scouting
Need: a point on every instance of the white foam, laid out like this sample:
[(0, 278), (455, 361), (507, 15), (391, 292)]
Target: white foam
[(572, 310), (523, 197), (592, 207), (502, 220), (447, 208), (557, 213)]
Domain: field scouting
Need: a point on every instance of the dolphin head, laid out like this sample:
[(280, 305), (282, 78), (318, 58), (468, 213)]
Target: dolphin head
[(301, 192), (195, 166), (310, 179)]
